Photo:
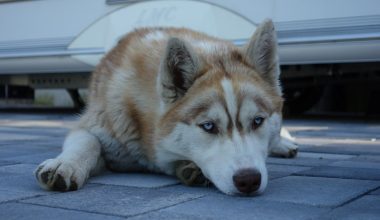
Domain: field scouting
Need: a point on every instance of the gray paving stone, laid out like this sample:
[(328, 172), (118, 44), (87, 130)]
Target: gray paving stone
[(357, 164), (347, 151), (4, 154), (367, 158), (168, 216), (135, 179), (366, 208), (299, 161), (342, 172), (11, 195), (33, 159), (13, 137), (19, 211), (376, 192), (353, 149), (316, 191), (369, 202), (30, 134), (286, 168), (277, 171), (45, 143), (33, 130), (6, 163), (25, 149), (324, 156), (116, 200), (340, 133), (22, 183), (277, 174), (39, 145), (230, 207), (25, 169), (200, 190)]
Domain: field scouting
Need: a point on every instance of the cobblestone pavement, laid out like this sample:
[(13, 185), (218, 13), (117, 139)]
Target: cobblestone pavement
[(335, 176)]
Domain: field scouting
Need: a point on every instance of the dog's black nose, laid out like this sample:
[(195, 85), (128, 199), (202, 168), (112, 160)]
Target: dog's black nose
[(247, 180)]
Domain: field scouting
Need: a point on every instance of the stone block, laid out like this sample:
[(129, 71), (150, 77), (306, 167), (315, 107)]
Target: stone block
[(366, 208), (316, 191), (233, 207), (114, 200), (19, 211), (342, 172), (135, 180)]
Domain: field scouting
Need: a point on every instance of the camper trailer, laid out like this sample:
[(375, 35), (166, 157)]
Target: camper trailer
[(323, 45)]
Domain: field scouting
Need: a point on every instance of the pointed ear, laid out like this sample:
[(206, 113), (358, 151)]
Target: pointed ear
[(178, 70), (261, 52)]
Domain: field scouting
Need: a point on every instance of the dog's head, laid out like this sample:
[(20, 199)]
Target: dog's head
[(221, 109)]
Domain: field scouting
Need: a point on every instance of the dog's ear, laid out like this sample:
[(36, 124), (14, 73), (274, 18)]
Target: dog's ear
[(178, 70), (261, 52)]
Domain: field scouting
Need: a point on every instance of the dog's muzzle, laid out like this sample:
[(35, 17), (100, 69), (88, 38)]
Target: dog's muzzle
[(247, 181)]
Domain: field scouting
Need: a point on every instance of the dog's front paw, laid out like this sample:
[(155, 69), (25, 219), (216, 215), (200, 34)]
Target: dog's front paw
[(58, 175), (190, 174), (285, 149)]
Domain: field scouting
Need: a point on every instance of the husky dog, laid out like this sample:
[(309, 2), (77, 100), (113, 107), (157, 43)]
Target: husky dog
[(164, 95)]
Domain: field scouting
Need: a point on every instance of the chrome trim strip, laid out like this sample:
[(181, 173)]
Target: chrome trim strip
[(325, 23), (242, 42), (69, 52), (58, 42), (115, 2)]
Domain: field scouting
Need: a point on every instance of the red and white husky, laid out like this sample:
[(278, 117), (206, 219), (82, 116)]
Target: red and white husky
[(164, 95)]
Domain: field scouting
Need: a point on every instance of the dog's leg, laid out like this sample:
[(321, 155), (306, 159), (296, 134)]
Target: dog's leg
[(283, 146), (190, 174), (69, 171)]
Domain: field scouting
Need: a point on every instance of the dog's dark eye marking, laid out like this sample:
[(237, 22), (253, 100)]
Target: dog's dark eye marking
[(257, 122), (209, 127)]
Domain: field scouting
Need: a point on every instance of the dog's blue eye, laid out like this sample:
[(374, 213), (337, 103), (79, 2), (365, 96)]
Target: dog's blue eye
[(257, 122), (209, 127)]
